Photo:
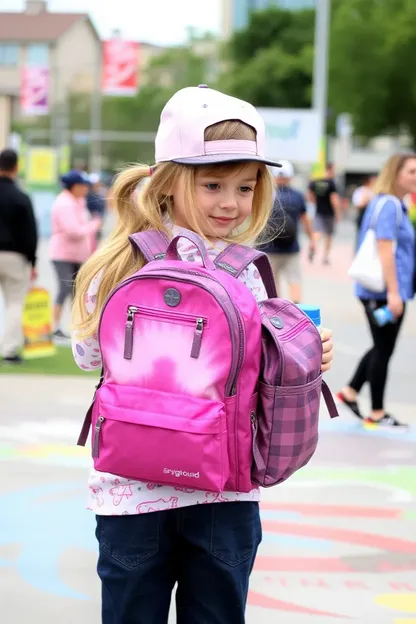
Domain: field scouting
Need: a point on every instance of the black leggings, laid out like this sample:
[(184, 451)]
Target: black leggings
[(374, 364), (66, 273)]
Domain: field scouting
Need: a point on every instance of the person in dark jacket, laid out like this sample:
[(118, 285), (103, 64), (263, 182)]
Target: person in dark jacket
[(18, 243), (284, 250)]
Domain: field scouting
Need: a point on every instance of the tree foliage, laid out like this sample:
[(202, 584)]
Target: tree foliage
[(270, 62), (372, 64), (372, 69)]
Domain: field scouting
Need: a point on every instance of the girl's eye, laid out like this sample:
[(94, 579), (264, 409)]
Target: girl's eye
[(245, 189), (212, 187)]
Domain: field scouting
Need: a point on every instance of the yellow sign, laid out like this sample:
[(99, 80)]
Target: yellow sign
[(42, 166), (319, 168), (37, 325)]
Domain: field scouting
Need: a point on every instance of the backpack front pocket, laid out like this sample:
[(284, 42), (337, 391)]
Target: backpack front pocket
[(161, 437), (286, 430)]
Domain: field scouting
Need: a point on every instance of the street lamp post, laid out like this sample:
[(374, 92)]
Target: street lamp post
[(95, 121), (320, 70)]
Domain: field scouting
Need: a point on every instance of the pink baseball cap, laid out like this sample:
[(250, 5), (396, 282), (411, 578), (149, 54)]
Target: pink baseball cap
[(186, 116)]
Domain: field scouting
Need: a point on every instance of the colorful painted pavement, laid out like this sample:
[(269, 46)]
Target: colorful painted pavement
[(339, 538)]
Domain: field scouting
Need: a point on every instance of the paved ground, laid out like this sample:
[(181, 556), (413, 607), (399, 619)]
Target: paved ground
[(339, 538)]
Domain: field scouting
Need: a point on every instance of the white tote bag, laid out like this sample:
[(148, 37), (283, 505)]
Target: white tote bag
[(366, 267)]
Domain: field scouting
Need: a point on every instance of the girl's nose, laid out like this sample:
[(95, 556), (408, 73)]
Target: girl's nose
[(229, 201)]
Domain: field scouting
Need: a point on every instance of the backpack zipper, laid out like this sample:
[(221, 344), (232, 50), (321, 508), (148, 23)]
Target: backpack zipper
[(186, 319), (97, 430), (258, 459)]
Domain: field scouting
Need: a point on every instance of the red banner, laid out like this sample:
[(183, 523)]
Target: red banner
[(120, 67)]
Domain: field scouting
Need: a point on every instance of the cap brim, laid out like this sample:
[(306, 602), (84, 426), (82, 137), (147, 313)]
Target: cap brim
[(213, 159)]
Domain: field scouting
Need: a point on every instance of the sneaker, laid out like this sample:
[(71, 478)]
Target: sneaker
[(60, 335), (326, 262), (311, 255), (352, 405), (386, 421), (13, 359)]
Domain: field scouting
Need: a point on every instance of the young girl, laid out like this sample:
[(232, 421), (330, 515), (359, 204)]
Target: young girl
[(210, 177)]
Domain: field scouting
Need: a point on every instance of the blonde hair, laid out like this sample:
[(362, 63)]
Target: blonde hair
[(387, 179), (142, 210)]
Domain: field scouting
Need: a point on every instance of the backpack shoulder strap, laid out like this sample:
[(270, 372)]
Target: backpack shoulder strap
[(235, 258), (152, 244)]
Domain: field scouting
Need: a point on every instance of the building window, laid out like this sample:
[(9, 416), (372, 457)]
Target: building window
[(37, 54), (9, 54)]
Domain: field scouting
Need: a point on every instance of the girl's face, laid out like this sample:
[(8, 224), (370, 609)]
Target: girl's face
[(406, 178), (224, 199)]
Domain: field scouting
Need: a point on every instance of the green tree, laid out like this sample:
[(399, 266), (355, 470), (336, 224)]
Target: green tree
[(270, 62), (372, 68)]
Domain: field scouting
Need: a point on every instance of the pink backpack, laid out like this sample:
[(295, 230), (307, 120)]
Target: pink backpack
[(198, 379)]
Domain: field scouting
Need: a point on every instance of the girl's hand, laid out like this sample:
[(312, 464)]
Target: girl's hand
[(327, 348)]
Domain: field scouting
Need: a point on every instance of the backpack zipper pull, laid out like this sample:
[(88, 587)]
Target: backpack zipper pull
[(197, 341), (128, 334), (258, 459), (96, 444)]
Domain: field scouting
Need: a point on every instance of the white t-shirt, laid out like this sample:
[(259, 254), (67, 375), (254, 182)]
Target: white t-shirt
[(361, 196)]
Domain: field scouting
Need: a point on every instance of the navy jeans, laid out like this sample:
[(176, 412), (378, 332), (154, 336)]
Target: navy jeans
[(208, 550)]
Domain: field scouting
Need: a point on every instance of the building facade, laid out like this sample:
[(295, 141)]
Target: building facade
[(65, 43)]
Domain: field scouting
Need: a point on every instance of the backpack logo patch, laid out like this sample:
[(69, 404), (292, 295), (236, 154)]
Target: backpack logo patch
[(172, 297)]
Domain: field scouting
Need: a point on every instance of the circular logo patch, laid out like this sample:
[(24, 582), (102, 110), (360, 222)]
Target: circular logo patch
[(277, 322), (172, 297)]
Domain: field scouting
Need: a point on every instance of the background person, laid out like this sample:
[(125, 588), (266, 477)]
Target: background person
[(18, 243), (71, 242), (323, 193), (284, 252), (362, 196), (96, 203), (396, 248)]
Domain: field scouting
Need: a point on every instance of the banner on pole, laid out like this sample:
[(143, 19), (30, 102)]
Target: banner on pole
[(34, 90), (37, 325), (120, 67)]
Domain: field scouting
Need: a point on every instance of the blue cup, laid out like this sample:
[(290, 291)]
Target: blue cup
[(382, 316), (313, 312)]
